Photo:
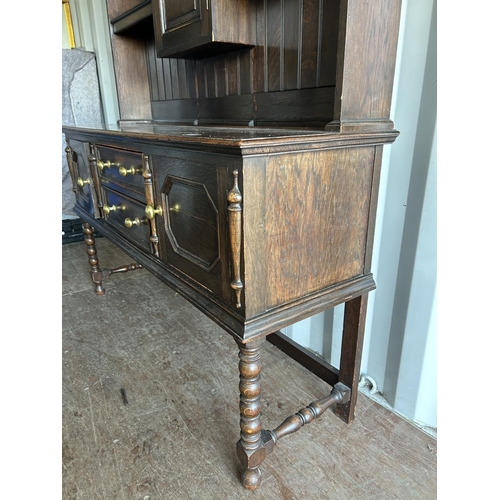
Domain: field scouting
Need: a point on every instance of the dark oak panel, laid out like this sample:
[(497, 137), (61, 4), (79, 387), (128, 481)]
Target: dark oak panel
[(321, 199), (134, 97), (295, 107)]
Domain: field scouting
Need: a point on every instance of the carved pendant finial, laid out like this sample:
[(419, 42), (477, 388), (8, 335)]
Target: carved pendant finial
[(234, 199)]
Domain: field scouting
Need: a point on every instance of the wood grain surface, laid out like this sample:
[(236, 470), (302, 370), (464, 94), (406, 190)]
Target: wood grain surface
[(175, 439)]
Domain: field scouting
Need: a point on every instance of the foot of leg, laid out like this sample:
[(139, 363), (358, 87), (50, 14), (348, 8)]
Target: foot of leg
[(95, 270)]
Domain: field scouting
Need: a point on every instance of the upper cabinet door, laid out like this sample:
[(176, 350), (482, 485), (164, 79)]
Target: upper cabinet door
[(202, 28), (180, 13)]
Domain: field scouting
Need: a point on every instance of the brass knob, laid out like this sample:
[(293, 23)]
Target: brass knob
[(132, 170), (151, 211), (103, 164), (82, 182), (107, 209), (136, 222)]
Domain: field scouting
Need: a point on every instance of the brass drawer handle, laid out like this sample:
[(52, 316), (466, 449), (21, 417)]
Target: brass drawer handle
[(132, 171), (82, 182), (136, 222), (113, 208), (103, 164), (151, 211)]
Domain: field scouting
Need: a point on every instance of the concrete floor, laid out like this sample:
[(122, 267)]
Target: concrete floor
[(175, 439)]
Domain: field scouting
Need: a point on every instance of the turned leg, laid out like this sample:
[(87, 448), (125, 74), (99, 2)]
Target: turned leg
[(95, 270), (256, 443), (350, 357), (249, 448)]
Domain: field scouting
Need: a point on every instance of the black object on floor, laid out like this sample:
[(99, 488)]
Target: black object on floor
[(72, 231)]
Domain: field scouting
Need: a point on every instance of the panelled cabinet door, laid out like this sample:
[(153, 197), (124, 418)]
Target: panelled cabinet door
[(193, 230), (202, 28), (179, 13)]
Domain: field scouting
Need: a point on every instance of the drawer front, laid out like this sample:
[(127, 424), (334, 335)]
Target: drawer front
[(82, 176), (127, 216), (192, 191), (121, 168)]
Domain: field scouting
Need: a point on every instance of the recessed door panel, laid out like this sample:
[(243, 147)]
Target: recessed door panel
[(192, 221), (181, 13)]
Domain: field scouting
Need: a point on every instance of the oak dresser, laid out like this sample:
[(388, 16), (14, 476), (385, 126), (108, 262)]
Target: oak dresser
[(244, 172)]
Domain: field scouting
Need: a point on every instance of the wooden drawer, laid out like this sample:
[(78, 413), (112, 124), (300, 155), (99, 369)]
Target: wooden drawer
[(127, 216), (120, 168)]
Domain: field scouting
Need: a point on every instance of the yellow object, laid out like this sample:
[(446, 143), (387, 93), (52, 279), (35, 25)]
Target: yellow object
[(69, 23)]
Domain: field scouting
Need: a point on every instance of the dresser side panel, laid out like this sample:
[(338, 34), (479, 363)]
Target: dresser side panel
[(309, 229)]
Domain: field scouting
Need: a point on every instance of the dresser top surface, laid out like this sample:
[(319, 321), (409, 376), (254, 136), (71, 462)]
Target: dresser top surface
[(204, 133), (241, 138)]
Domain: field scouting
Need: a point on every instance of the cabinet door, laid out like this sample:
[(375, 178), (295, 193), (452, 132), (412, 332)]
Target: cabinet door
[(180, 26), (203, 28), (83, 177), (193, 230), (181, 13)]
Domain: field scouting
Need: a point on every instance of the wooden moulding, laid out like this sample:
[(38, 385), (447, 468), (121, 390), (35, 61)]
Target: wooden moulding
[(128, 22), (117, 8)]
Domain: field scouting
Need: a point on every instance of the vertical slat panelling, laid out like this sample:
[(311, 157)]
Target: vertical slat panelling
[(245, 72), (320, 40), (161, 82), (181, 74), (295, 49), (201, 88), (259, 53), (151, 66), (174, 78), (310, 18), (220, 77), (210, 77), (291, 43), (274, 44), (329, 43), (167, 79), (232, 73), (191, 79)]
